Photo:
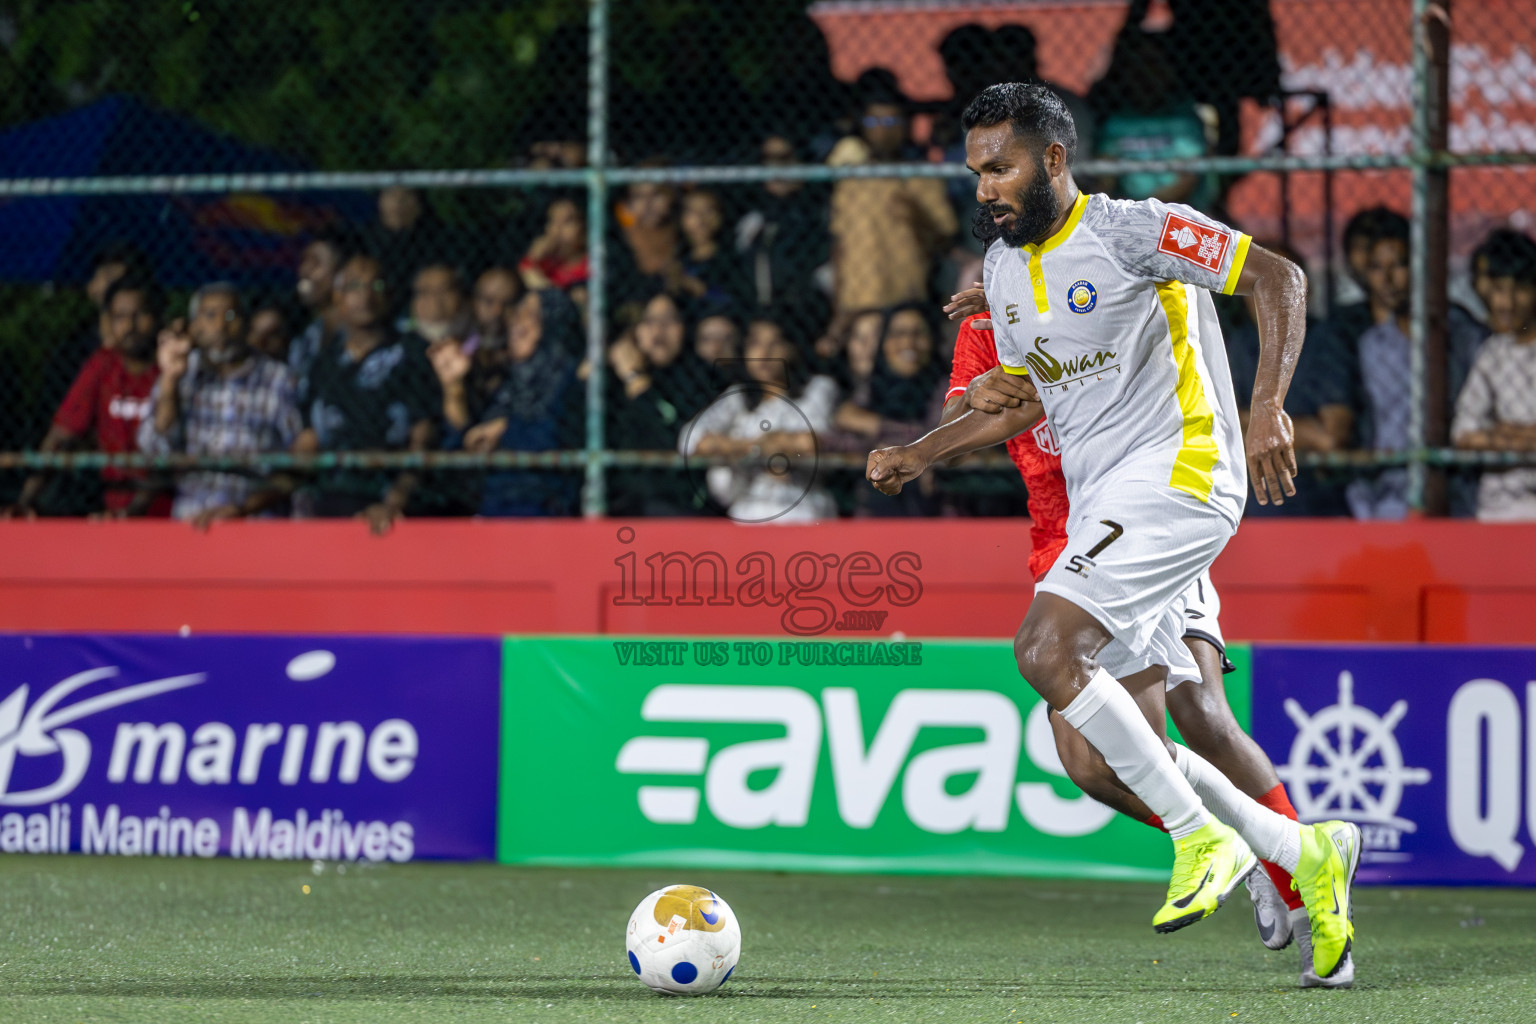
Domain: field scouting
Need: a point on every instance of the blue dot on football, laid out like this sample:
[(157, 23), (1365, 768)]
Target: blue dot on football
[(684, 972)]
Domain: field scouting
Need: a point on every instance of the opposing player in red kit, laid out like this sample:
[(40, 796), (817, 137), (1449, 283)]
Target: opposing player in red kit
[(1199, 710)]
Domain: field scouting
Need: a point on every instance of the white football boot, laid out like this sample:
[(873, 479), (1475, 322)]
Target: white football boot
[(1344, 977), (1270, 913)]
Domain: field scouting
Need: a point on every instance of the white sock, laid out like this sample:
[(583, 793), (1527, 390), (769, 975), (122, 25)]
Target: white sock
[(1274, 837), (1108, 717)]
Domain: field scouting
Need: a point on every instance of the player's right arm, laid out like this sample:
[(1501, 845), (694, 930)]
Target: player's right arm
[(1170, 242), (889, 468), (1279, 290)]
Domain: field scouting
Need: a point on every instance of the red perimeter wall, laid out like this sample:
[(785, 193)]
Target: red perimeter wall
[(1437, 581)]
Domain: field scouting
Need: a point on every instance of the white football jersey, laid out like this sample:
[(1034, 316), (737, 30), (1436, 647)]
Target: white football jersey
[(1112, 319)]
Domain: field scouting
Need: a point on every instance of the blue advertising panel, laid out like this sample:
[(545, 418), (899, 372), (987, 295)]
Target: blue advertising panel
[(355, 748), (1430, 749)]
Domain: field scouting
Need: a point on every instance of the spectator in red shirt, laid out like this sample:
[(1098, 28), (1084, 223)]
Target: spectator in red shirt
[(558, 257), (110, 398)]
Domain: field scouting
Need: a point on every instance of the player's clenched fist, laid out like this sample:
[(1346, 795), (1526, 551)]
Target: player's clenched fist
[(889, 468), (997, 389)]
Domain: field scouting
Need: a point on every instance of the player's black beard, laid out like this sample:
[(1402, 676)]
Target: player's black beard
[(1038, 209)]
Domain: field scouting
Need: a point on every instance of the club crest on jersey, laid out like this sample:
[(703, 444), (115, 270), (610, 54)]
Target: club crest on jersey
[(1082, 297), (1201, 245)]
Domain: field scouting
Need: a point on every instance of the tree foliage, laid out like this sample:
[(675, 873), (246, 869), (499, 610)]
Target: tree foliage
[(377, 84)]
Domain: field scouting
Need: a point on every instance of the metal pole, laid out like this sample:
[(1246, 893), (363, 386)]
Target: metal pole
[(1437, 258), (1418, 255), (594, 494), (731, 174), (1330, 283), (1428, 489)]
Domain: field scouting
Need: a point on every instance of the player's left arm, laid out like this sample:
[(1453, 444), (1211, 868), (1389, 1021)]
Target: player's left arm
[(1279, 290), (889, 468)]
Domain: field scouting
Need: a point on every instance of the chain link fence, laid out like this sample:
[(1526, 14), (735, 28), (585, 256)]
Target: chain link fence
[(539, 258)]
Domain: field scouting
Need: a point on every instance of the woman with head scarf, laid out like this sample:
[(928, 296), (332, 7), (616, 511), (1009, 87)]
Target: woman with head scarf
[(897, 390), (534, 409), (898, 402)]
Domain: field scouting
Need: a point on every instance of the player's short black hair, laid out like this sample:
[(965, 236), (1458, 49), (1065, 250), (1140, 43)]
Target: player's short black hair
[(134, 281), (1506, 253), (1034, 110), (1376, 222)]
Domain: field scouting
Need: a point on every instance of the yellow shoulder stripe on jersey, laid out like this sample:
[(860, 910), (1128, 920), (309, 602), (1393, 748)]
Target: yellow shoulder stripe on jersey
[(1018, 371), (1036, 270), (1194, 466), (1239, 257)]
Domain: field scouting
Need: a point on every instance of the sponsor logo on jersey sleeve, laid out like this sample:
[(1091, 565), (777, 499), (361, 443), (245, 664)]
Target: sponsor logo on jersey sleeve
[(1199, 244), (1082, 297)]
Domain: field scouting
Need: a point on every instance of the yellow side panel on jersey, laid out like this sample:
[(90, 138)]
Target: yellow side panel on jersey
[(1195, 464), (1019, 371)]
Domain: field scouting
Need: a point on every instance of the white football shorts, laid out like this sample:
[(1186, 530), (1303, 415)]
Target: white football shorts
[(1199, 620), (1135, 558)]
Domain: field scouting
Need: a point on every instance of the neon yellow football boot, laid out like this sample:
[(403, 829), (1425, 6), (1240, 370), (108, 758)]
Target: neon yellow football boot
[(1207, 866), (1330, 853)]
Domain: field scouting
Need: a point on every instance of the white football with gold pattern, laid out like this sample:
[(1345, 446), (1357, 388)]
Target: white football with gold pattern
[(683, 940)]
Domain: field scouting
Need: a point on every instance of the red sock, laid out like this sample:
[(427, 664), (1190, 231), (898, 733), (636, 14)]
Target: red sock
[(1155, 822), (1277, 801)]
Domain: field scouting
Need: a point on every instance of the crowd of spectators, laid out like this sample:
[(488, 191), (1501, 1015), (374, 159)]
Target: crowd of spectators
[(787, 318)]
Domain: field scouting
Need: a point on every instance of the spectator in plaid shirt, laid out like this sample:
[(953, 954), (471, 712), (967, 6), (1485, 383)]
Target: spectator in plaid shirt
[(218, 396)]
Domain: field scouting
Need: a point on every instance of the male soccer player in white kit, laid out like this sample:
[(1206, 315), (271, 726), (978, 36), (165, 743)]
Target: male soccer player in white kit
[(1102, 314)]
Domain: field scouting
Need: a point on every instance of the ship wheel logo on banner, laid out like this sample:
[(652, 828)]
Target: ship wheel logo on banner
[(1346, 762)]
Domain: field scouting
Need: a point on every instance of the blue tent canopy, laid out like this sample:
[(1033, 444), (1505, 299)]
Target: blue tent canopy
[(249, 238)]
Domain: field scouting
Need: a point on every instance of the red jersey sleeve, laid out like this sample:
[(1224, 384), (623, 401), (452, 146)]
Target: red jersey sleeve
[(975, 354), (1040, 466), (77, 413)]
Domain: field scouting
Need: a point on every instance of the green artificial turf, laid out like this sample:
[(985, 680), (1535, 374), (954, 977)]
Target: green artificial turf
[(124, 939)]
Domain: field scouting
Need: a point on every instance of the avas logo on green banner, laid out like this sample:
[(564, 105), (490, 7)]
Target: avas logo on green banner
[(930, 758), (863, 773)]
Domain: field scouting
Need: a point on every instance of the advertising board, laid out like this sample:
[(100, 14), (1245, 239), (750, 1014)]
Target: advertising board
[(796, 754), (1430, 749), (280, 747)]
